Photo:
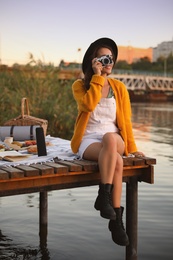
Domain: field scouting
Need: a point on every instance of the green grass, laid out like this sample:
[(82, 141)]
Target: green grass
[(49, 98)]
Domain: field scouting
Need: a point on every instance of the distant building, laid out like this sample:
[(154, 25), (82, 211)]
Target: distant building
[(132, 54), (163, 49)]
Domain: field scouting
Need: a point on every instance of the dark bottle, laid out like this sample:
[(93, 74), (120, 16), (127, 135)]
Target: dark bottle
[(41, 144)]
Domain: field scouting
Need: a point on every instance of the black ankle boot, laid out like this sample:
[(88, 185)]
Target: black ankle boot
[(116, 227), (104, 201), (98, 202)]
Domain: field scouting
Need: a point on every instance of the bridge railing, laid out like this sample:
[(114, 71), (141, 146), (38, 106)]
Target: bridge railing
[(139, 72), (145, 82)]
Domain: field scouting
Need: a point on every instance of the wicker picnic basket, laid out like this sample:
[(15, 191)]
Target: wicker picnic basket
[(26, 119)]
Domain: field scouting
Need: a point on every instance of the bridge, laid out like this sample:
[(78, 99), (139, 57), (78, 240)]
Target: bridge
[(132, 81), (145, 83), (141, 87)]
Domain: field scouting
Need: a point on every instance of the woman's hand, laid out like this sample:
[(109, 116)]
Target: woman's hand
[(139, 154), (97, 66)]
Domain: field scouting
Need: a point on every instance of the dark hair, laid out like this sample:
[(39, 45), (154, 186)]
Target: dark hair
[(89, 71)]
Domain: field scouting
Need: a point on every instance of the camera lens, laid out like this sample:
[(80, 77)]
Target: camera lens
[(106, 61)]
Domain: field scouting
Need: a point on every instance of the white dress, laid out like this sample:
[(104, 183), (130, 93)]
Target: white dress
[(102, 120)]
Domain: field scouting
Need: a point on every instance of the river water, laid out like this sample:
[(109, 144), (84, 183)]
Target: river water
[(75, 229)]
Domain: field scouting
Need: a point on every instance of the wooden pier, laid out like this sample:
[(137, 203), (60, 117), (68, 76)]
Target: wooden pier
[(59, 174)]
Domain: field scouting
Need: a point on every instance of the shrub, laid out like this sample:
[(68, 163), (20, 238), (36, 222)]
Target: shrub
[(49, 98)]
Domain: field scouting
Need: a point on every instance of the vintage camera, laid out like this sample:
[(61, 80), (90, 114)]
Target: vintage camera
[(105, 60)]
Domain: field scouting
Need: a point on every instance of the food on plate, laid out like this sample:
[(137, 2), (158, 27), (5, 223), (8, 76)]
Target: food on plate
[(17, 143), (30, 142), (32, 149), (29, 145), (2, 146)]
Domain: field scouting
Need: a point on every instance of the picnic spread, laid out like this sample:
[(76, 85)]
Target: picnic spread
[(56, 148)]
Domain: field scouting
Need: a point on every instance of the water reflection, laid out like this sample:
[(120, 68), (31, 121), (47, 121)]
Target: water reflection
[(30, 200), (45, 255), (10, 251), (155, 119)]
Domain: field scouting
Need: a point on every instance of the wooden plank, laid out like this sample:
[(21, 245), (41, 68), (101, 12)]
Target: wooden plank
[(29, 171), (72, 167), (4, 175), (133, 171), (40, 177), (149, 161), (47, 182), (127, 161), (148, 175), (43, 169), (14, 172), (87, 165), (58, 168), (138, 161), (65, 180)]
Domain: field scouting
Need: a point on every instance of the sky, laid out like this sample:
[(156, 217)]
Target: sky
[(55, 30)]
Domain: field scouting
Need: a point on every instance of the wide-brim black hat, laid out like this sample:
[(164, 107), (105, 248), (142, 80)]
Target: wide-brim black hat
[(100, 42)]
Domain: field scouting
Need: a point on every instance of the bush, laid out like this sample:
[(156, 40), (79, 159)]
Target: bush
[(49, 98)]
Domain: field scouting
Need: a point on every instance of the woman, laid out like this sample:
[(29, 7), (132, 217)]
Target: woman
[(103, 130)]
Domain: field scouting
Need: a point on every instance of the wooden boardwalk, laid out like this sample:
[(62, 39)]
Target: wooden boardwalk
[(59, 174)]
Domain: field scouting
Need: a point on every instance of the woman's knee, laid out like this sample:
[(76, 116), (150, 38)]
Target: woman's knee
[(115, 142), (110, 140)]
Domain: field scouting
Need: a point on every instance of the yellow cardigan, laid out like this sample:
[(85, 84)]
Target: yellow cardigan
[(88, 100)]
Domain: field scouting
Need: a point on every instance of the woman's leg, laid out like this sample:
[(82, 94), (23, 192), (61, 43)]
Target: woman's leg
[(106, 153), (116, 226), (117, 182)]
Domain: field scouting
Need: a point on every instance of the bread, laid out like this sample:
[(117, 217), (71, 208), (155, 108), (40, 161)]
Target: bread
[(32, 149)]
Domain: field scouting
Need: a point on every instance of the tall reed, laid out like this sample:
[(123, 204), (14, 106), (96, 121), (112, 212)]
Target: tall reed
[(49, 97)]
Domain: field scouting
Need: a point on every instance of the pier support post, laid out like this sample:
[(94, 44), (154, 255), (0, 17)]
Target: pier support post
[(43, 218), (132, 218)]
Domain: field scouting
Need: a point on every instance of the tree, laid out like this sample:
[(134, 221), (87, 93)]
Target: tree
[(123, 65), (142, 64)]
